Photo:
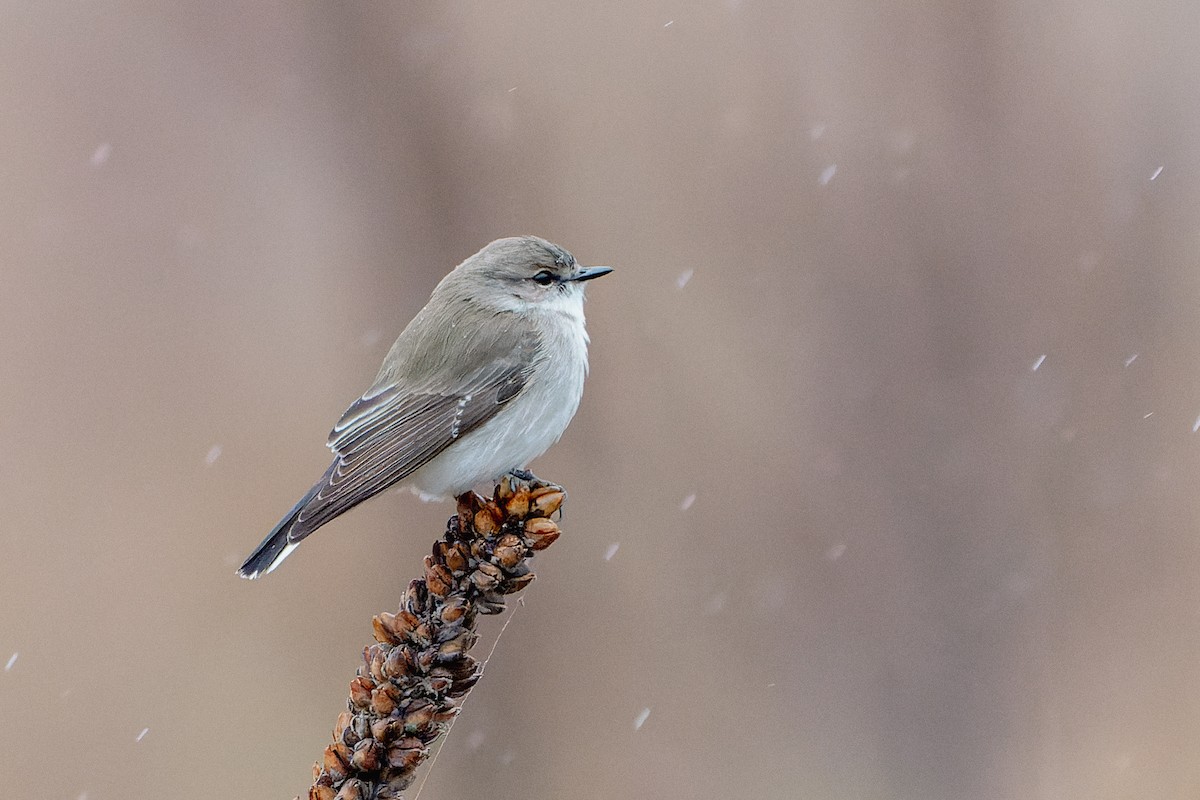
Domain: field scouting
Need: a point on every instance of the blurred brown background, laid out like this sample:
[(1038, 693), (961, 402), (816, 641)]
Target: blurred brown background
[(866, 549)]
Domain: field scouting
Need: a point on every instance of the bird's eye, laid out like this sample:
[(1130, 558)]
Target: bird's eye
[(544, 278)]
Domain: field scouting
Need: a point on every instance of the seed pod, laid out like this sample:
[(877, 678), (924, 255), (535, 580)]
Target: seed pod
[(398, 664), (333, 764), (351, 790), (440, 684), (360, 691), (547, 499), (516, 505), (540, 533), (319, 792), (367, 754), (406, 758), (382, 702), (485, 580), (457, 559), (445, 713), (509, 551), (464, 685), (505, 488), (454, 609), (438, 579), (395, 782), (382, 625), (517, 583), (419, 717), (487, 520), (459, 644), (457, 665), (343, 722), (468, 504), (416, 598), (388, 729), (490, 602), (375, 656)]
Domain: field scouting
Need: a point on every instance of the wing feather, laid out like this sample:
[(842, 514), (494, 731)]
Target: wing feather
[(396, 428)]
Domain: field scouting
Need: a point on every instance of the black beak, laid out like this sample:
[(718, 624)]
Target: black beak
[(588, 273)]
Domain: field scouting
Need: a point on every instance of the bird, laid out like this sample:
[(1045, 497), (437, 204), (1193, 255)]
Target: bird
[(485, 378)]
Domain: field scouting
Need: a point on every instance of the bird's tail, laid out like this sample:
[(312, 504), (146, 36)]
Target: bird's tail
[(271, 552)]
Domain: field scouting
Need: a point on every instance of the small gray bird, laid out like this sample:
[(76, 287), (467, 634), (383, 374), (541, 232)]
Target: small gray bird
[(483, 380)]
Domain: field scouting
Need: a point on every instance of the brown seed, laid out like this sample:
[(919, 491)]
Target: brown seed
[(516, 584), (351, 790), (546, 500), (382, 702), (405, 622), (437, 577), (343, 722), (379, 728), (457, 560), (360, 691), (397, 664), (505, 488), (518, 504), (406, 757), (321, 793), (367, 754), (454, 609), (440, 684), (446, 713), (418, 718), (382, 627), (464, 685), (387, 730), (349, 737), (540, 533), (377, 655), (508, 557), (459, 644), (439, 551), (490, 602), (416, 598), (468, 504), (459, 665), (334, 764), (483, 581), (509, 551), (487, 521)]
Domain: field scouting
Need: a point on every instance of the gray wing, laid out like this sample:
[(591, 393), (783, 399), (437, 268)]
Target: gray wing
[(395, 428)]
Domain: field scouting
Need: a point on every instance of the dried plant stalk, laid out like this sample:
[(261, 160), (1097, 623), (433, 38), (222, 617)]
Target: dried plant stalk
[(413, 677)]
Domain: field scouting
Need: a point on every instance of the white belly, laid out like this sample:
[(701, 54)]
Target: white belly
[(524, 429)]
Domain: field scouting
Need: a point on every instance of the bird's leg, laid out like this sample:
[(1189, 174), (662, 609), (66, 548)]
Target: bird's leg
[(524, 475)]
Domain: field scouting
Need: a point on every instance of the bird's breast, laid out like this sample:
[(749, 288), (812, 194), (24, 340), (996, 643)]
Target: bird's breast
[(527, 425)]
